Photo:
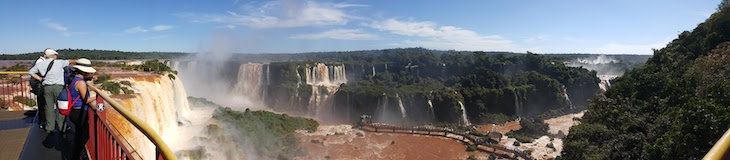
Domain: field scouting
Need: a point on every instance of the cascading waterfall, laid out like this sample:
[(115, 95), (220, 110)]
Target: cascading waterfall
[(400, 104), (176, 65), (159, 102), (605, 83), (330, 78), (464, 119), (266, 84), (567, 99), (373, 71), (383, 107), (192, 66), (518, 105), (249, 83), (430, 109)]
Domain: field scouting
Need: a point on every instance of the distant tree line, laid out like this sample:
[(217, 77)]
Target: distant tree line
[(96, 55)]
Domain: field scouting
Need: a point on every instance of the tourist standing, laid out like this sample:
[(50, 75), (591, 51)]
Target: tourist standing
[(50, 73), (37, 89), (80, 106)]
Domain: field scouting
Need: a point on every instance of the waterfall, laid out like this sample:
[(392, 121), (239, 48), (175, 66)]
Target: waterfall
[(605, 83), (266, 84), (464, 119), (373, 71), (159, 102), (430, 109), (299, 79), (174, 65), (192, 66), (567, 99), (518, 106), (400, 104), (249, 84), (383, 108), (321, 76)]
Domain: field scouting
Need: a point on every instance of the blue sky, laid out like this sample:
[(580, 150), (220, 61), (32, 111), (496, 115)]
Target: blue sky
[(291, 26)]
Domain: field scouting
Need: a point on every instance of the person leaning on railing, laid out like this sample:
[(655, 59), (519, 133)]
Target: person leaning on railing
[(78, 88), (37, 89), (51, 76)]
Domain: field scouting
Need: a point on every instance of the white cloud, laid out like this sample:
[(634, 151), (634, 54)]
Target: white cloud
[(282, 14), (347, 5), (55, 26), (443, 37), (139, 29), (341, 34), (161, 27), (537, 39), (135, 30)]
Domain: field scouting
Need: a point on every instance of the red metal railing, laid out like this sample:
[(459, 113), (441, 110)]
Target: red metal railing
[(15, 91), (105, 142)]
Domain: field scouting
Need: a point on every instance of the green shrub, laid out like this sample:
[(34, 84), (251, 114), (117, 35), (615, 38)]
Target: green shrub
[(127, 90), (126, 83), (523, 139), (517, 143), (271, 134), (471, 148), (471, 157), (24, 100), (103, 78), (112, 87), (18, 67)]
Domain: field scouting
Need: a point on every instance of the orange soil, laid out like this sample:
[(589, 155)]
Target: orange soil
[(504, 128), (344, 143), (116, 72)]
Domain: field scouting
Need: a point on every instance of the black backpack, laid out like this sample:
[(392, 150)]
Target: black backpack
[(36, 86)]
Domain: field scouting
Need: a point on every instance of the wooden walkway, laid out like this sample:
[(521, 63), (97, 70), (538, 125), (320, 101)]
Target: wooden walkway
[(482, 143), (21, 138)]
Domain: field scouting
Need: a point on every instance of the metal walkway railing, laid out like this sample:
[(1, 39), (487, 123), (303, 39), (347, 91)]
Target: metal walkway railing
[(720, 149), (108, 144), (444, 132), (104, 141), (15, 91)]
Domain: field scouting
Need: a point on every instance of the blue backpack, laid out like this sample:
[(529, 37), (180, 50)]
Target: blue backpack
[(64, 107)]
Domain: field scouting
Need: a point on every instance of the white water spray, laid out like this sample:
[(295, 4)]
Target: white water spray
[(464, 119), (400, 104)]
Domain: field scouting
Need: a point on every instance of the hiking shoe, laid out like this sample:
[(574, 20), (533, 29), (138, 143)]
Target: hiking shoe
[(42, 126)]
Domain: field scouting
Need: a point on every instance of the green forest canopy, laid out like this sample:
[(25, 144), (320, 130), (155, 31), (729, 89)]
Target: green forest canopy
[(674, 107)]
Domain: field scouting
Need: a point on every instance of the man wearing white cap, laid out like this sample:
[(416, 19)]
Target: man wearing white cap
[(37, 89), (50, 73)]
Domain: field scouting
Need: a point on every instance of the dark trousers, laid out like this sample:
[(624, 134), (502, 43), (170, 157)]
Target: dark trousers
[(80, 119), (41, 102)]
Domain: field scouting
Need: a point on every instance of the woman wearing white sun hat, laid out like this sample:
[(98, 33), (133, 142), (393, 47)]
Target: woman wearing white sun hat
[(78, 88)]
